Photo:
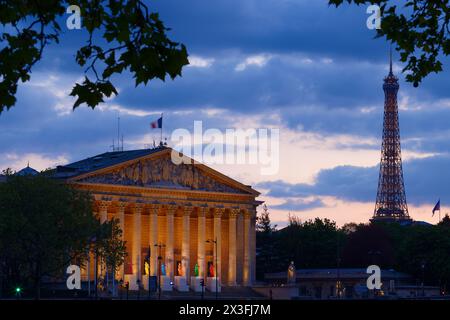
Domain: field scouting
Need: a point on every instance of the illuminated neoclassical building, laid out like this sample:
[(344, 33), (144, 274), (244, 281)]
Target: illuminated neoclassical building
[(183, 208)]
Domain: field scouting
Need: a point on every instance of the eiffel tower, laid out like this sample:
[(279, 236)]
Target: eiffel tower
[(391, 199)]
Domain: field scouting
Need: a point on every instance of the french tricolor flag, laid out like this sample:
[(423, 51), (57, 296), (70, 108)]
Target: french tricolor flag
[(156, 124), (437, 207)]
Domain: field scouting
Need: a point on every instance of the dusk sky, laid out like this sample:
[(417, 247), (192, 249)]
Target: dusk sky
[(313, 71)]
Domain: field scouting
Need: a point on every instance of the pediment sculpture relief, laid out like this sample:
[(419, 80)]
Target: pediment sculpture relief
[(161, 173)]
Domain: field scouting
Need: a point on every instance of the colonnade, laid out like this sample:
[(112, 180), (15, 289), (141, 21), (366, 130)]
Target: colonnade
[(238, 236)]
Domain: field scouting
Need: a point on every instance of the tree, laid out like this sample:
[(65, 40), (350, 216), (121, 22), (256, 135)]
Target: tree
[(294, 221), (265, 243), (445, 222), (349, 228), (263, 223), (108, 246), (425, 253), (311, 244), (420, 30), (8, 172), (418, 250), (369, 244), (45, 226), (134, 39)]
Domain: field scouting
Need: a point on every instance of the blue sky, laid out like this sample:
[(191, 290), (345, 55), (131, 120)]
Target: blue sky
[(311, 70)]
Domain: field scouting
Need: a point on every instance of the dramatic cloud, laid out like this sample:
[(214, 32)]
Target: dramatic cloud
[(426, 181), (299, 205), (311, 70), (257, 60), (199, 62)]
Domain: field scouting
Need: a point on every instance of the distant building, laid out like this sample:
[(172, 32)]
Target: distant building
[(27, 171), (324, 284)]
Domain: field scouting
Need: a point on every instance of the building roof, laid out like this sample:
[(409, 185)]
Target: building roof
[(27, 171), (344, 273), (422, 223), (98, 164), (101, 161)]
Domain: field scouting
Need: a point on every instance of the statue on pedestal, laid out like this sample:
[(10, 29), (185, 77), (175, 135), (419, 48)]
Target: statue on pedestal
[(147, 268), (291, 273), (163, 269), (196, 270), (179, 269), (211, 270)]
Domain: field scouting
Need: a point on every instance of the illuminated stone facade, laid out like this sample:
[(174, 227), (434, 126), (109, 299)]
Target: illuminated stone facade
[(184, 208)]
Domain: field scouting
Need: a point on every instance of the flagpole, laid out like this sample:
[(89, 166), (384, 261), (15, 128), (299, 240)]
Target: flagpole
[(151, 135), (161, 128), (439, 210)]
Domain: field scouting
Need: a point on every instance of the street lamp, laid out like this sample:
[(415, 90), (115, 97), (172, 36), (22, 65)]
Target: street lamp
[(148, 262), (202, 284), (93, 241), (159, 245), (120, 288), (339, 291), (422, 266), (139, 288), (217, 281), (88, 253), (338, 264)]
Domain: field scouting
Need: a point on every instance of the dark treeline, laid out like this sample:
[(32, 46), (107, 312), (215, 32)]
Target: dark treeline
[(45, 226), (419, 250)]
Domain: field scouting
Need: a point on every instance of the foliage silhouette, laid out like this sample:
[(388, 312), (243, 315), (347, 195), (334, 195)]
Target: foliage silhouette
[(420, 31), (134, 39)]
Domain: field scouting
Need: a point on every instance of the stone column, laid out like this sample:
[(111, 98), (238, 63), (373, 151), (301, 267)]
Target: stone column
[(247, 254), (153, 239), (103, 211), (137, 245), (169, 241), (201, 241), (185, 248), (121, 217), (217, 237), (103, 216), (232, 247)]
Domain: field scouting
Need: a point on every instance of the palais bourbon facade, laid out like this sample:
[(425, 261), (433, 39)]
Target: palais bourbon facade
[(182, 208)]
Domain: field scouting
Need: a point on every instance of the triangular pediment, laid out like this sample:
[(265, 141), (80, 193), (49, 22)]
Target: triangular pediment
[(159, 171)]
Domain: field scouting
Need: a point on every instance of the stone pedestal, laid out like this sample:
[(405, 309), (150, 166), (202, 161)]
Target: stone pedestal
[(195, 284), (181, 284), (131, 279), (153, 282), (145, 282), (165, 283), (211, 284)]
